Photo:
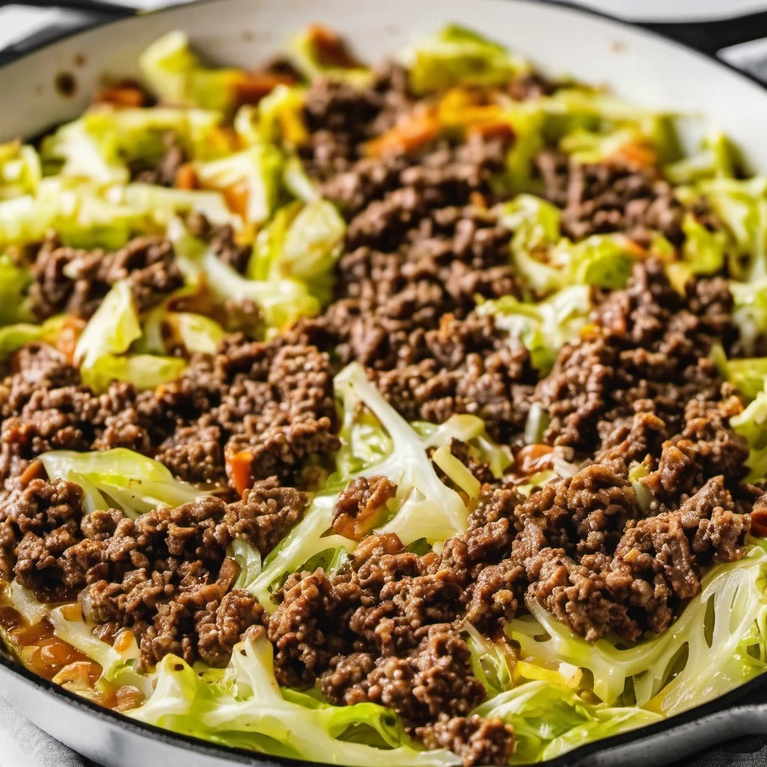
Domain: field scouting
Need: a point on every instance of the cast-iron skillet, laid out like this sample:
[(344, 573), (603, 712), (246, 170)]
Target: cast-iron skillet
[(637, 64)]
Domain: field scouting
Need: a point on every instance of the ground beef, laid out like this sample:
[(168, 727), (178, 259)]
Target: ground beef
[(610, 197), (464, 367), (272, 404), (75, 281), (475, 740), (38, 524), (648, 353), (165, 575), (223, 241), (164, 173), (44, 407), (360, 506)]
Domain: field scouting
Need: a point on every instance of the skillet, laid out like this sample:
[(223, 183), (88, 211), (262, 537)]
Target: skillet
[(635, 64)]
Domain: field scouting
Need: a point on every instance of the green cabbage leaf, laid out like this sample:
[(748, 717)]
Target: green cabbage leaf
[(122, 479), (20, 170), (244, 707), (458, 56), (752, 424), (543, 327)]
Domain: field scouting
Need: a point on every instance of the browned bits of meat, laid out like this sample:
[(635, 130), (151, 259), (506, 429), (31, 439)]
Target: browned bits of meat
[(164, 173), (219, 629), (76, 281), (611, 197), (467, 367), (360, 506), (43, 407), (477, 741), (266, 513), (167, 577), (305, 630), (650, 354), (38, 524), (222, 240)]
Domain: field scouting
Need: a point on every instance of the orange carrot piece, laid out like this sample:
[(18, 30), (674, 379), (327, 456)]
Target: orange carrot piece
[(239, 470), (236, 197), (532, 458), (186, 178), (253, 86), (330, 48), (124, 95), (492, 129), (415, 131)]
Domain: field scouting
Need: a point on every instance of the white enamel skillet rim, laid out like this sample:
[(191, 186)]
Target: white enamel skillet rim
[(636, 64)]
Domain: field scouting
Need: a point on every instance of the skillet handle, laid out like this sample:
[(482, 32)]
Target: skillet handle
[(740, 41)]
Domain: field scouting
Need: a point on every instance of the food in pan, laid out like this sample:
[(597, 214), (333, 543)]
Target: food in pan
[(412, 415)]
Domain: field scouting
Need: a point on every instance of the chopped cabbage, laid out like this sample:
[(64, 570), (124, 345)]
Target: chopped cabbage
[(282, 301), (715, 628), (144, 371), (13, 337), (752, 424), (742, 207), (157, 206), (603, 260), (20, 170), (112, 329), (195, 332), (458, 56), (179, 78), (536, 227), (302, 245), (750, 312), (318, 52), (14, 308), (256, 170), (749, 375), (544, 327), (718, 158), (246, 708), (278, 118), (120, 478)]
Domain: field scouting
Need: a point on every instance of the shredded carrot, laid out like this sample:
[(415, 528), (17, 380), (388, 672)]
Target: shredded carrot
[(239, 470), (478, 199), (634, 248), (33, 471), (251, 87), (532, 458), (124, 95), (186, 177), (66, 342), (236, 197), (416, 130), (637, 154), (330, 49), (124, 640)]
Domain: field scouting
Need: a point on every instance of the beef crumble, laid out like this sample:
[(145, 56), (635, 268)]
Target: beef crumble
[(613, 196), (165, 575), (270, 403), (75, 281)]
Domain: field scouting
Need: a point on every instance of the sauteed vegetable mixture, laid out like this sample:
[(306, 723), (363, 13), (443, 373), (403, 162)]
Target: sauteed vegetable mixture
[(412, 415)]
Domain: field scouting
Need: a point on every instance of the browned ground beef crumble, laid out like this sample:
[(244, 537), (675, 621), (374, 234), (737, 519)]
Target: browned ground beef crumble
[(423, 246)]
